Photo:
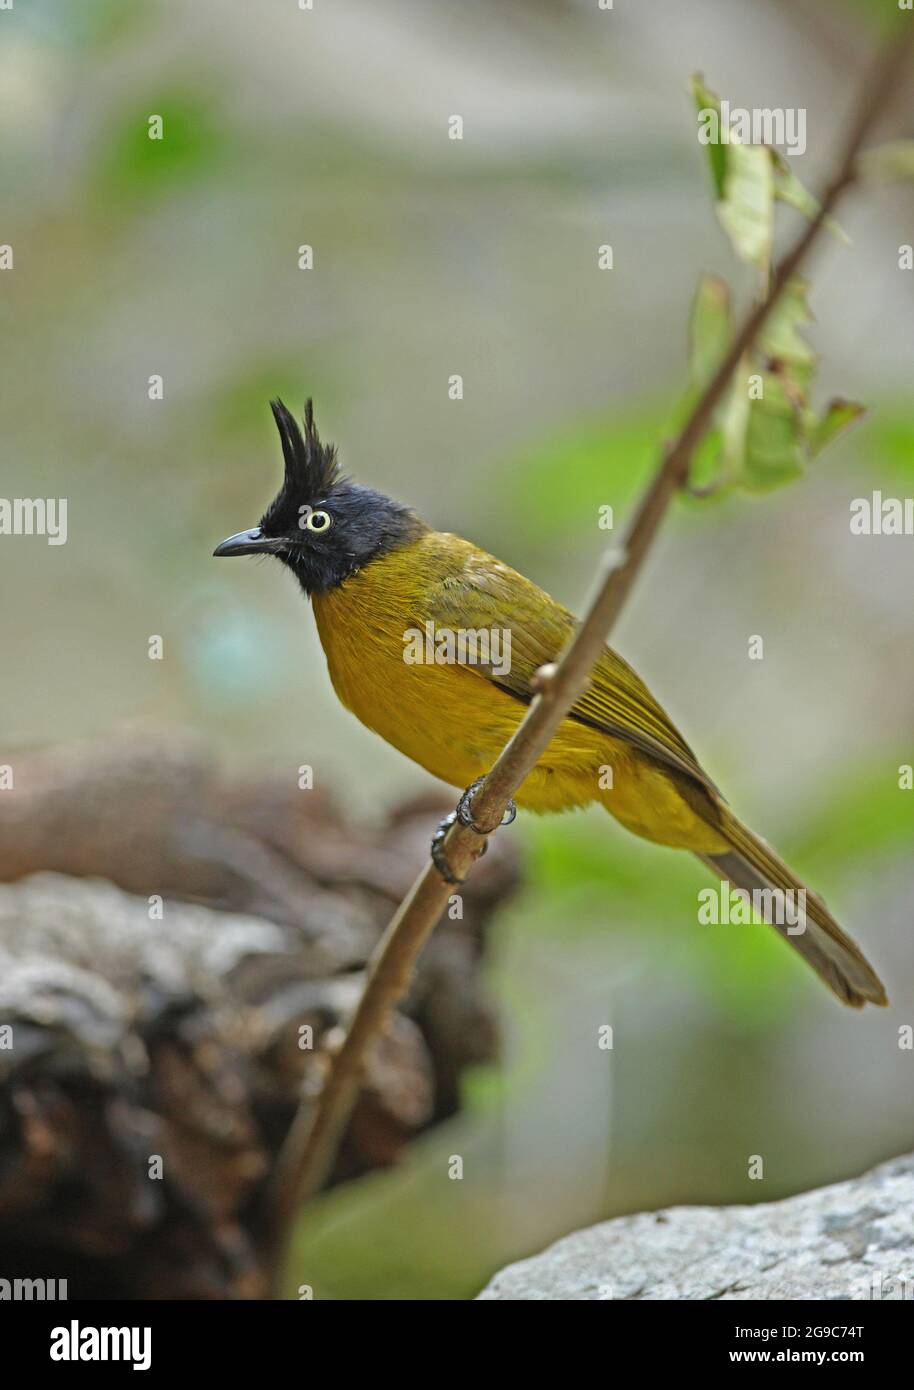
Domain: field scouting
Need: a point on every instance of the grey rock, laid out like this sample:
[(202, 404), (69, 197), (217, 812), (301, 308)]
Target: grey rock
[(854, 1240)]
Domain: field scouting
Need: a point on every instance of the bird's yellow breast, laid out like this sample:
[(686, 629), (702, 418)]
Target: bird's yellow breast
[(447, 717), (452, 720)]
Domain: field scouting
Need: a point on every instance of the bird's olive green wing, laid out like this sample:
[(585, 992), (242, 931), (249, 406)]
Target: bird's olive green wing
[(485, 594)]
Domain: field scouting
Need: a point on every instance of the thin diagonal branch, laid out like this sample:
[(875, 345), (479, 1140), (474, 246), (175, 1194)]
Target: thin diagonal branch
[(312, 1142)]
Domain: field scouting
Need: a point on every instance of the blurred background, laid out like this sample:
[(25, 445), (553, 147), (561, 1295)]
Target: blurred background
[(478, 257)]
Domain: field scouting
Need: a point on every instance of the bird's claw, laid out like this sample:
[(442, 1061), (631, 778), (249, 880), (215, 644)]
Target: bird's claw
[(463, 815), (465, 809), (439, 858)]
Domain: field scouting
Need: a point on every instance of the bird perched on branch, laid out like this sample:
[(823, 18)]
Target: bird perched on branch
[(376, 575)]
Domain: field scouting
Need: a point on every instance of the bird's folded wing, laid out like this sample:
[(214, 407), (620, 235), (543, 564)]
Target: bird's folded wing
[(485, 594)]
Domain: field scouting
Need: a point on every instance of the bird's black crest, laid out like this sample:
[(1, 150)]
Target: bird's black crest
[(312, 469), (359, 525)]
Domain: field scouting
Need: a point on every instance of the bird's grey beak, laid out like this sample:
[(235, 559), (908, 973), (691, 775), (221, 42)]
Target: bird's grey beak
[(252, 542)]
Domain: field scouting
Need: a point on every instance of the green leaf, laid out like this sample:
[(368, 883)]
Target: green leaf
[(839, 416), (705, 466), (774, 447), (788, 189), (780, 337), (894, 160), (709, 328), (736, 422), (707, 101), (718, 463), (743, 181), (746, 211)]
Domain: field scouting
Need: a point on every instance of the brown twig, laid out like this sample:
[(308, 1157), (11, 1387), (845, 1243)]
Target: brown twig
[(311, 1145)]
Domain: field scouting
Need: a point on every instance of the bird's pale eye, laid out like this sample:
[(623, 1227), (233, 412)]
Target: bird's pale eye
[(318, 521)]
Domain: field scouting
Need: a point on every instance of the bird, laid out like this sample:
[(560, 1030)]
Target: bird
[(376, 574)]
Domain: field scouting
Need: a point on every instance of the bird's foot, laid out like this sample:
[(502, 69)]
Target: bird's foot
[(464, 812), (463, 815), (439, 858)]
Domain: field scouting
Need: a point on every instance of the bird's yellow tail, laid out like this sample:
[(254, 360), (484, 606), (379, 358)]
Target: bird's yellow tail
[(754, 866)]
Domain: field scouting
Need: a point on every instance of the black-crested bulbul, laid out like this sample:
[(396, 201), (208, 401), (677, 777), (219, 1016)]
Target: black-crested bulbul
[(375, 572)]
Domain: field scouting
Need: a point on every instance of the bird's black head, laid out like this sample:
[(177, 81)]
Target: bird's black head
[(319, 524)]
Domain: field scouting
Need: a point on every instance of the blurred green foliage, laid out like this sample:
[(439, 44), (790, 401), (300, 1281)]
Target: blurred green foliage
[(135, 168)]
